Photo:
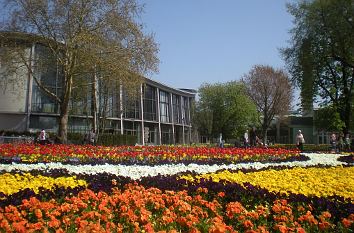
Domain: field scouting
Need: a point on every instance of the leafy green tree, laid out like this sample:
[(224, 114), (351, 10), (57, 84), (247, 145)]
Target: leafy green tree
[(321, 54), (224, 108), (90, 40), (328, 119)]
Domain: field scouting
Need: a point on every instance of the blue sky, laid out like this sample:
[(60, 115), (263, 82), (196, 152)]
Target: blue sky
[(215, 40)]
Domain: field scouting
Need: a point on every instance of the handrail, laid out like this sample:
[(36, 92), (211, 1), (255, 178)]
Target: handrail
[(16, 139)]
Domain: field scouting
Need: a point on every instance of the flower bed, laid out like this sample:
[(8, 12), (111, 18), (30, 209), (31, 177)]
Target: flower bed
[(135, 209), (150, 155), (173, 189)]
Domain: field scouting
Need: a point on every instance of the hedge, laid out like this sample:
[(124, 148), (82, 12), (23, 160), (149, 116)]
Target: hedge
[(307, 147), (116, 139)]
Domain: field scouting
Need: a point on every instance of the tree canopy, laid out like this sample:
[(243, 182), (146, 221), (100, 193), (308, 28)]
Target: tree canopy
[(328, 119), (86, 38), (271, 91), (224, 108), (321, 54)]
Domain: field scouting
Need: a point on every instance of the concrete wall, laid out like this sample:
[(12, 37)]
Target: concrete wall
[(13, 91)]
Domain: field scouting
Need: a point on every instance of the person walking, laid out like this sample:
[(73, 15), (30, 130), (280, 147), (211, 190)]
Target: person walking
[(253, 137), (347, 142), (300, 140), (340, 146), (333, 142), (246, 139), (221, 141)]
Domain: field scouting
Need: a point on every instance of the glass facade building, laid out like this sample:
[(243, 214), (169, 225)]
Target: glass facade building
[(156, 113)]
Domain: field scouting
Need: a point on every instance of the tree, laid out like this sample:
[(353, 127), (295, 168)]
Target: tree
[(321, 53), (89, 40), (224, 108), (271, 92), (328, 119)]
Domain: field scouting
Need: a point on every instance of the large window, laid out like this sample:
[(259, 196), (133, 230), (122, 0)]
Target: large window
[(133, 128), (47, 72), (112, 126), (80, 102), (109, 94), (79, 125), (187, 136), (150, 133), (176, 101), (44, 122), (149, 95), (131, 105), (185, 110), (164, 107), (166, 134), (178, 134)]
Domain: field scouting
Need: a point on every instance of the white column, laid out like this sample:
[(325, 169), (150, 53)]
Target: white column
[(183, 119), (121, 108)]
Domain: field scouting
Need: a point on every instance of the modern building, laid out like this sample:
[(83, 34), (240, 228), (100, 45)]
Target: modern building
[(157, 114)]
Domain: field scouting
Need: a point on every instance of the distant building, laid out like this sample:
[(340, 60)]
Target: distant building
[(284, 130), (158, 114)]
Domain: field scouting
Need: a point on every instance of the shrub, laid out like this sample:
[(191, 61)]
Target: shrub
[(116, 139), (307, 147)]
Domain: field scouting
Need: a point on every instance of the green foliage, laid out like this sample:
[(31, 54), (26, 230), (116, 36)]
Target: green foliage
[(321, 55), (116, 140), (328, 119), (105, 139), (75, 138), (307, 147), (224, 108)]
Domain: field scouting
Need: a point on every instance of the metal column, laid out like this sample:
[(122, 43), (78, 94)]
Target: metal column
[(158, 113), (142, 114)]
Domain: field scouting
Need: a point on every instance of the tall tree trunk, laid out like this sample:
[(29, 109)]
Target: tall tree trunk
[(103, 112), (264, 134), (63, 123), (64, 109), (265, 124), (347, 117)]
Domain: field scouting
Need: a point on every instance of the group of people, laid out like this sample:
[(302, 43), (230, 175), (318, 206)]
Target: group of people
[(340, 142), (250, 139), (89, 138)]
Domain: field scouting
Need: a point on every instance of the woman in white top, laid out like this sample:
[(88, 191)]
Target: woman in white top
[(300, 140), (245, 139), (42, 137)]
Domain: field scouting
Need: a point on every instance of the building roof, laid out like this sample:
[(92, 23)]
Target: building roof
[(25, 37), (185, 92)]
